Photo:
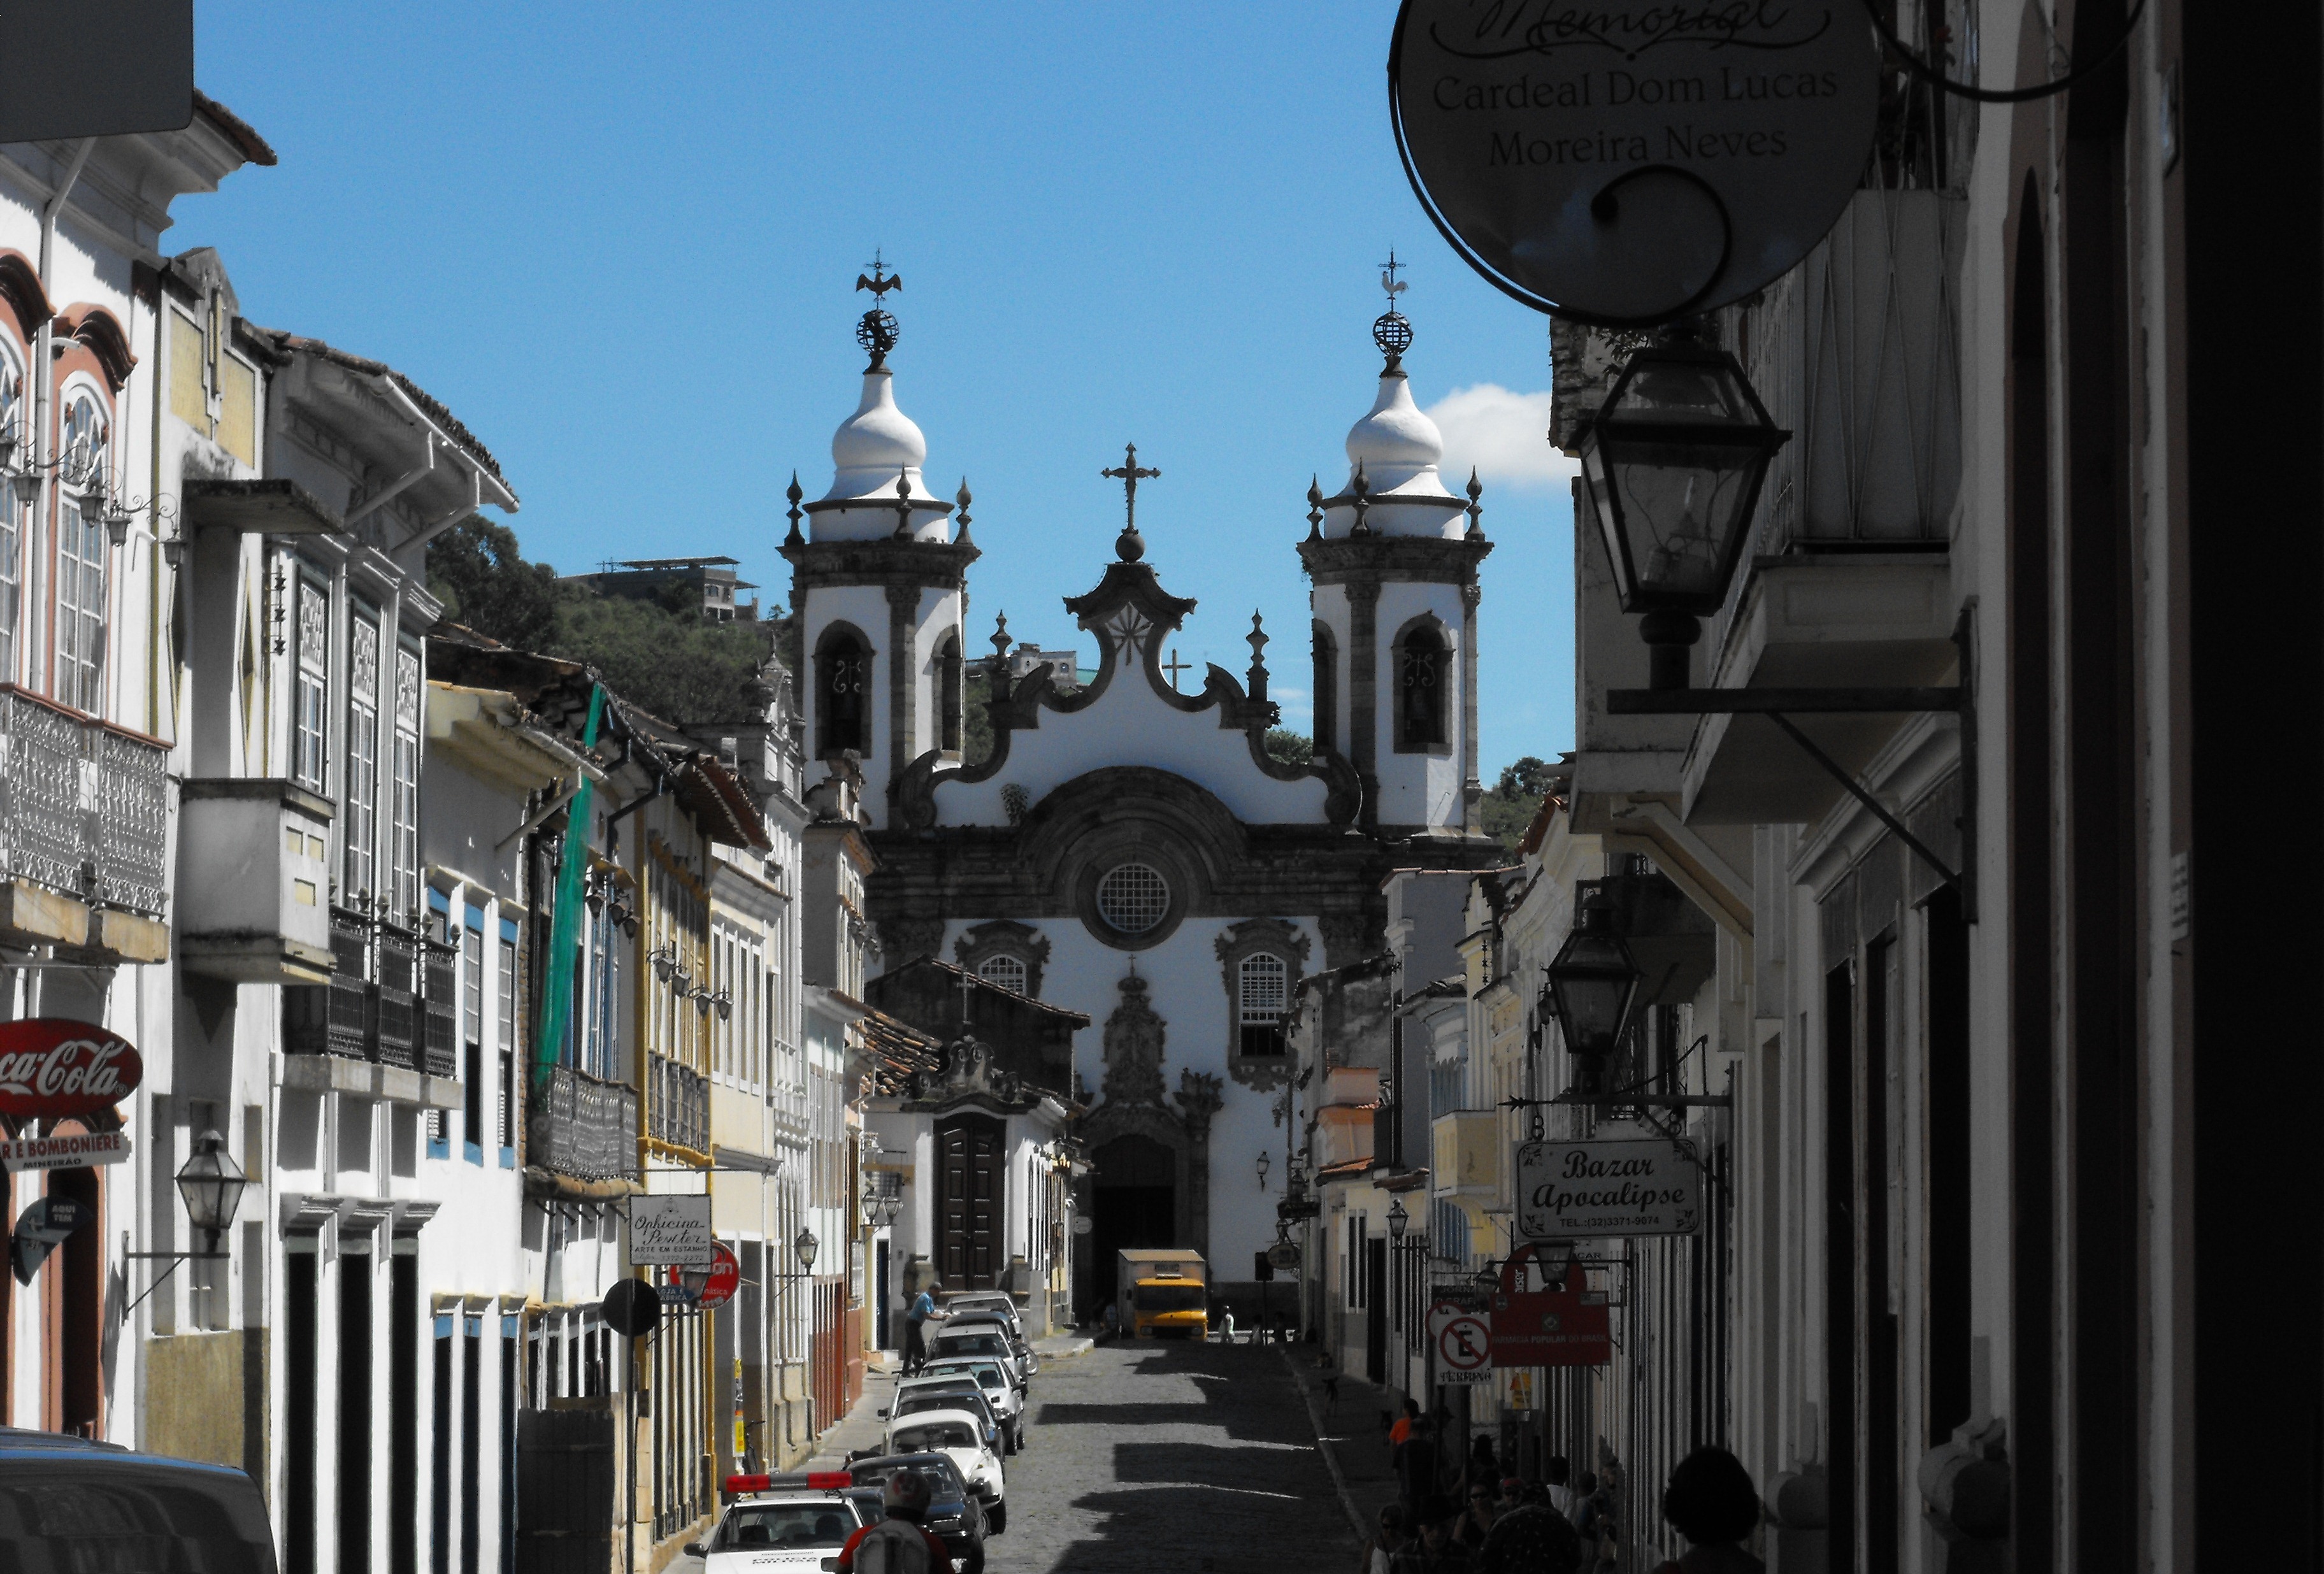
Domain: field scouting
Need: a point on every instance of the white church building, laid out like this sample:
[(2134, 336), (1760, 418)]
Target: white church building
[(1130, 852)]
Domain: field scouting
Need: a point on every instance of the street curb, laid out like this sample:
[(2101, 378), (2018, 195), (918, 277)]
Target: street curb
[(1331, 1460)]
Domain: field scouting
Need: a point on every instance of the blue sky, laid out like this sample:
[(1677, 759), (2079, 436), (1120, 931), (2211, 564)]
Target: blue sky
[(619, 241)]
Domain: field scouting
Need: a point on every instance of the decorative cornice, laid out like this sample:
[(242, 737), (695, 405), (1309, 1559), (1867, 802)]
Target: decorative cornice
[(1431, 559), (821, 565), (20, 286), (100, 333)]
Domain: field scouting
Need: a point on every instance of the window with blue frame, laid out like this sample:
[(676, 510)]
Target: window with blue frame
[(472, 1032), (504, 993), (439, 929)]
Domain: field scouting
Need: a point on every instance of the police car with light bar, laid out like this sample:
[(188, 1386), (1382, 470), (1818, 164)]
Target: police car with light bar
[(796, 1521)]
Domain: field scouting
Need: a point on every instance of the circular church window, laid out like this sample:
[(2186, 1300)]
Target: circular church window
[(1133, 898)]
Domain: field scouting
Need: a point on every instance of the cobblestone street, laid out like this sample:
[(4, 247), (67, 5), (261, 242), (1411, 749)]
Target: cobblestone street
[(1171, 1457)]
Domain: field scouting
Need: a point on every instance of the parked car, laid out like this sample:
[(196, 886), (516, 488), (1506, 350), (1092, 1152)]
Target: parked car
[(988, 1301), (999, 1391), (126, 1510), (948, 1393), (1006, 1323), (956, 1514), (798, 1521), (959, 1436), (981, 1339)]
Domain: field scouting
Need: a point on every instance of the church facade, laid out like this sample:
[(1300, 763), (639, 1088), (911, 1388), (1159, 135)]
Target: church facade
[(1131, 852)]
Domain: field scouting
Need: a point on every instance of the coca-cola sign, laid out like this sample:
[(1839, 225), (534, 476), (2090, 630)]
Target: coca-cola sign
[(53, 1067)]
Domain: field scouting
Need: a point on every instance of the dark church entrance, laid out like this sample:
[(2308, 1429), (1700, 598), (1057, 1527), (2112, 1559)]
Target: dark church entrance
[(1136, 1191), (969, 1164)]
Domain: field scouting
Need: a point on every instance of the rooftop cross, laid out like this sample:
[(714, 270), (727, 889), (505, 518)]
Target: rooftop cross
[(1389, 271), (1130, 473), (1173, 667)]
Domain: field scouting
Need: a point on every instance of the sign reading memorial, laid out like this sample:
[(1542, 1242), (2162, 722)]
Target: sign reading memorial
[(670, 1232), (1583, 1191), (1629, 161)]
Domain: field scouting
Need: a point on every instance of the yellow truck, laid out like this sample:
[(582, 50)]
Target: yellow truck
[(1162, 1293)]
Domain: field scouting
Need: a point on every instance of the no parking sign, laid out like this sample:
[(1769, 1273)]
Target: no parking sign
[(1463, 1345)]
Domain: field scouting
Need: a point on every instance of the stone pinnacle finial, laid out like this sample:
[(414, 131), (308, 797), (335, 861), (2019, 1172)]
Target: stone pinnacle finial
[(903, 503), (1314, 508), (1259, 640), (1476, 510), (1000, 638), (793, 492), (962, 498), (1361, 490)]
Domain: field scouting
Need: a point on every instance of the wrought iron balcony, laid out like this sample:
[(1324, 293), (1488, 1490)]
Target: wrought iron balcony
[(84, 806), (677, 1105), (584, 1128), (389, 999)]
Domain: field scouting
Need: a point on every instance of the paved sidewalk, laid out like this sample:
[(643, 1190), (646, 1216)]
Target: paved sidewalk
[(1352, 1433)]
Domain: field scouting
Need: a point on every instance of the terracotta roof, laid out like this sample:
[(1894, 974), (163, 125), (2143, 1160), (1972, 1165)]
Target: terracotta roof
[(1078, 1018), (1348, 1172), (237, 130), (289, 344), (1551, 806), (899, 1051)]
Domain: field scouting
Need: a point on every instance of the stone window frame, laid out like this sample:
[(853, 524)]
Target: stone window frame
[(1447, 655), (1004, 937), (950, 691), (839, 629), (1237, 943), (1134, 842)]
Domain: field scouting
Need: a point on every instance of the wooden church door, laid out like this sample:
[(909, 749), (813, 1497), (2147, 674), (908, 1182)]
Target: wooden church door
[(969, 1200)]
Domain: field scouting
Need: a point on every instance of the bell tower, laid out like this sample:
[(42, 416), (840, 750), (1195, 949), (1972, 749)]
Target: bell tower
[(1393, 558), (879, 586)]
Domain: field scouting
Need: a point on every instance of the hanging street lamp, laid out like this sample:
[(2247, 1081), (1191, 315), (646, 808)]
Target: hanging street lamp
[(1592, 984), (805, 1248), (1398, 1219), (1264, 1161), (1673, 461)]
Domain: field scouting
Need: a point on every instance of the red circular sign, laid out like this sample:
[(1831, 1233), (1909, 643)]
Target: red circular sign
[(51, 1067), (725, 1275)]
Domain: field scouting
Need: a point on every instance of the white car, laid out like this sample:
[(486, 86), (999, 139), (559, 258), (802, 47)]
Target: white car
[(783, 1523), (999, 1393), (959, 1436), (981, 1341)]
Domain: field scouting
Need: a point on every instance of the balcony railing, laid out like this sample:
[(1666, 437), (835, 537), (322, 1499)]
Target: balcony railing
[(677, 1105), (389, 999), (84, 807), (584, 1128)]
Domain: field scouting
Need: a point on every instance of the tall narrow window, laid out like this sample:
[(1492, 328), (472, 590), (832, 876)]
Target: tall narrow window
[(1327, 689), (472, 1030), (1262, 991), (308, 725), (948, 679), (12, 576), (841, 681), (406, 806), (80, 560), (1422, 670), (505, 985), (362, 824)]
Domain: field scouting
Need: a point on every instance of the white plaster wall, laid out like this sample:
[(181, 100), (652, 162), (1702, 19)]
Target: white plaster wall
[(939, 613), (1130, 724), (1419, 789)]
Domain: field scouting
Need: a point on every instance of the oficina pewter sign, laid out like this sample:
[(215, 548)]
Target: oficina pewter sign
[(1580, 1191), (1626, 161)]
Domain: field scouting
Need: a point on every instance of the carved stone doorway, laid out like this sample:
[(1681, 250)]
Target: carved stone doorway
[(1135, 1192)]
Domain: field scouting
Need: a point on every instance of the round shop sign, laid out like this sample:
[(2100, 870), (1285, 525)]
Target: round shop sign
[(54, 1067), (1629, 162), (725, 1275)]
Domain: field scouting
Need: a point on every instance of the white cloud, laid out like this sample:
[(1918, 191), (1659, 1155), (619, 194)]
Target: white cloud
[(1504, 435)]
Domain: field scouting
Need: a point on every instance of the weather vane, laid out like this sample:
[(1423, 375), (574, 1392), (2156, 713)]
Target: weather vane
[(1130, 545), (877, 332), (1391, 332)]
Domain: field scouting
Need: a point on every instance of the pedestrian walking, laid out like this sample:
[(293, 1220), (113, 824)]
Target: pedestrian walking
[(1557, 1472), (922, 1312), (1387, 1539), (1482, 1466), (1476, 1520), (1532, 1539), (1226, 1326), (1594, 1524), (1331, 1381), (1711, 1501), (899, 1543), (1438, 1549)]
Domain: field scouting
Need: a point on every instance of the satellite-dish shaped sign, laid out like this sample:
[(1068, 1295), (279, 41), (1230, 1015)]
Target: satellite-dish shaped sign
[(1631, 162)]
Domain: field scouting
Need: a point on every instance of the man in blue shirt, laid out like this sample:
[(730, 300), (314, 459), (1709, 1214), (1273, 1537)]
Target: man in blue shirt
[(915, 1320)]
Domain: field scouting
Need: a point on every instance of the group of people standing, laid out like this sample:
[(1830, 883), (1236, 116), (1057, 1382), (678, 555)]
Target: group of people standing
[(1493, 1523)]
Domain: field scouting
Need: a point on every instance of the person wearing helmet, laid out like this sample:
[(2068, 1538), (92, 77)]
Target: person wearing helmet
[(899, 1543)]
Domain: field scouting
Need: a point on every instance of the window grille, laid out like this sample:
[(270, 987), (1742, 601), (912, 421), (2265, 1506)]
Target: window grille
[(1008, 971), (1263, 988), (405, 807), (1422, 678), (1133, 898)]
